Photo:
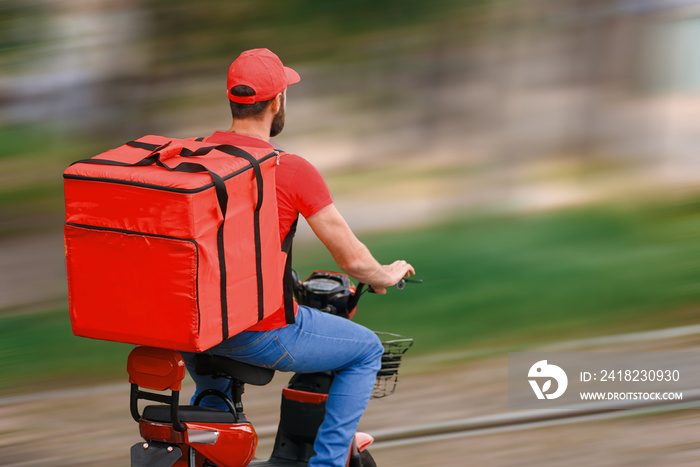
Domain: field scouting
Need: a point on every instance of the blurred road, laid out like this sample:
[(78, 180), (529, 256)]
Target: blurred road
[(88, 427)]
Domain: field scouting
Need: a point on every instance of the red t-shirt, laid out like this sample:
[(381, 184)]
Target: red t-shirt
[(301, 189)]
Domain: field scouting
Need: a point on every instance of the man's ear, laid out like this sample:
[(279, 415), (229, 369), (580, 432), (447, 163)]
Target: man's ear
[(277, 103)]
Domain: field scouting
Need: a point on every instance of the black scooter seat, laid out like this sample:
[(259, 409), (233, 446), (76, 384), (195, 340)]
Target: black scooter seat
[(192, 414), (206, 364)]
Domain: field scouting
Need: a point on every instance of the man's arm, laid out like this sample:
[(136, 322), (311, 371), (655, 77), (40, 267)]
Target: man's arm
[(351, 255)]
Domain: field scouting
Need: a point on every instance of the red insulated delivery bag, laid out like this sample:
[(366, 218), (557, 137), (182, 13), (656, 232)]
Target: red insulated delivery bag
[(172, 243)]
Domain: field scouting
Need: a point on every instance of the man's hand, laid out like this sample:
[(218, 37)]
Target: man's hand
[(395, 271)]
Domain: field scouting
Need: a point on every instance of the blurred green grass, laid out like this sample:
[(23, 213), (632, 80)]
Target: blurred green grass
[(31, 193), (492, 283), (501, 282), (38, 352)]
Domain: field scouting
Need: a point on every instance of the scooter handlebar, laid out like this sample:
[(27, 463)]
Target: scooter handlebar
[(400, 285)]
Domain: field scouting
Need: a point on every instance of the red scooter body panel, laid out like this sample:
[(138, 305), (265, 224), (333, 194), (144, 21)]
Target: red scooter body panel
[(234, 447)]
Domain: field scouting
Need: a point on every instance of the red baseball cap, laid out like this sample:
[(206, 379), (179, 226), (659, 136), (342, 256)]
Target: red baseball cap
[(263, 72)]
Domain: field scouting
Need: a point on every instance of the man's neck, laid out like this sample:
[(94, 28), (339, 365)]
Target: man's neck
[(252, 128)]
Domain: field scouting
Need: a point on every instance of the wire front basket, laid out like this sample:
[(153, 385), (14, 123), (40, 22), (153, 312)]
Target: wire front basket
[(387, 377)]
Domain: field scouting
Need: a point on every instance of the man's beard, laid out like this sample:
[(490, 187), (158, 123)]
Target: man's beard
[(278, 122)]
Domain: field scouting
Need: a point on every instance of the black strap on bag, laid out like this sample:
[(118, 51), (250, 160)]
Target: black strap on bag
[(288, 280), (255, 164), (222, 197), (238, 152)]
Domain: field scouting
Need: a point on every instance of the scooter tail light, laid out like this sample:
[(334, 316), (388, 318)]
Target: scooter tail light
[(164, 432)]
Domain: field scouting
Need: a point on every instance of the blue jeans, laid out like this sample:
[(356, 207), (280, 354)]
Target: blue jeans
[(316, 342)]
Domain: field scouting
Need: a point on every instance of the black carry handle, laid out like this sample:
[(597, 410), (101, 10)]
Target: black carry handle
[(185, 152), (187, 167), (219, 185)]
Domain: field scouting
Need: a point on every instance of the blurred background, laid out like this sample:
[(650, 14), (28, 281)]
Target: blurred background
[(536, 160)]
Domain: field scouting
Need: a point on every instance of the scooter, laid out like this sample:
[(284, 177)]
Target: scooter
[(197, 436)]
